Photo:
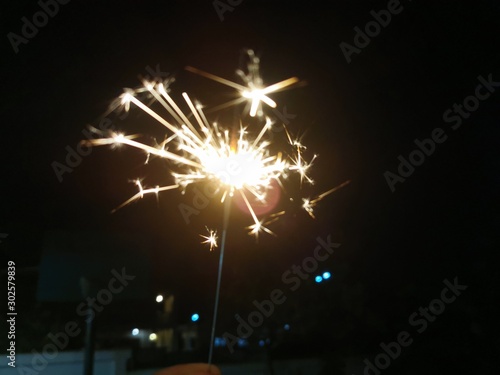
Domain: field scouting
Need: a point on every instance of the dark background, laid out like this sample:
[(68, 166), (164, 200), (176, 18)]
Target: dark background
[(397, 248)]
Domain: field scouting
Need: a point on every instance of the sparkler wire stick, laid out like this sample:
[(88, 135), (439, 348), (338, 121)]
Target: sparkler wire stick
[(227, 210)]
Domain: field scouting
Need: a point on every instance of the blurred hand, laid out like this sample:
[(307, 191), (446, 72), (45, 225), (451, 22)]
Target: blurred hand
[(191, 369)]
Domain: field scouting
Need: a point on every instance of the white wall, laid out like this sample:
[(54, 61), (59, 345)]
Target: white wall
[(67, 363)]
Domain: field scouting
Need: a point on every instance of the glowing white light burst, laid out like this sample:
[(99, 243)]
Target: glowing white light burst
[(240, 162)]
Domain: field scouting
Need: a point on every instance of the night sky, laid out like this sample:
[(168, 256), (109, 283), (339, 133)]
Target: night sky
[(361, 117)]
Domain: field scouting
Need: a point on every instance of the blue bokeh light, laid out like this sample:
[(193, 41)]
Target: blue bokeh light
[(242, 343), (286, 327), (219, 341), (195, 317), (326, 275), (318, 279)]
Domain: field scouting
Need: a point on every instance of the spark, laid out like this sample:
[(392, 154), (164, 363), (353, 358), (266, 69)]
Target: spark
[(255, 93), (298, 162), (211, 239), (257, 227), (309, 204), (143, 191)]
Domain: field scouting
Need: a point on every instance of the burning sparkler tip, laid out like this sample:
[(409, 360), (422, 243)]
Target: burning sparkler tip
[(236, 161)]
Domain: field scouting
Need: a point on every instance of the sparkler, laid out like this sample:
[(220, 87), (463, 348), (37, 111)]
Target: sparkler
[(241, 162)]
